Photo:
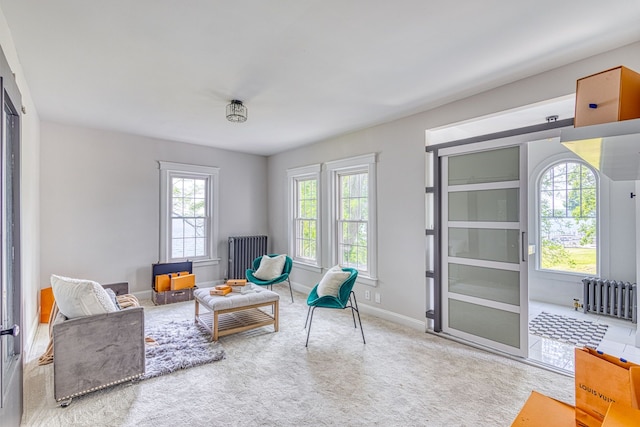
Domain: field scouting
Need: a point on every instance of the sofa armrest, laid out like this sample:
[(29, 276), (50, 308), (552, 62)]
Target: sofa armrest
[(120, 288), (94, 352)]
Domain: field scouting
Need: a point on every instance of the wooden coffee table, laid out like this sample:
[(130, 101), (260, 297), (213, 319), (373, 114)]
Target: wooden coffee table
[(235, 312)]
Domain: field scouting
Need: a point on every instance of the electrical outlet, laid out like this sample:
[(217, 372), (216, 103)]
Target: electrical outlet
[(378, 297), (367, 295)]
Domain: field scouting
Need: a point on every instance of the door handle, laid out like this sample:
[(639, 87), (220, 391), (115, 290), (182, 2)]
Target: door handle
[(522, 248), (14, 330)]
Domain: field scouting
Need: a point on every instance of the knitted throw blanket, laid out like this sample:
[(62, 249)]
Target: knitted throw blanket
[(125, 301)]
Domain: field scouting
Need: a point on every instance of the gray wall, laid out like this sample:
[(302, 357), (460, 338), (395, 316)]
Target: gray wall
[(400, 181), (100, 202), (401, 172)]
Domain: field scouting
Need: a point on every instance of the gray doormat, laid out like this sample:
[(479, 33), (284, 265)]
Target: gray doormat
[(180, 345), (557, 327)]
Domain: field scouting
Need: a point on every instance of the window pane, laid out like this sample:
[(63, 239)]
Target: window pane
[(352, 219), (352, 245), (200, 247), (189, 188), (560, 203), (546, 182), (568, 222), (177, 228), (589, 202), (200, 227), (177, 185), (177, 249), (189, 247), (178, 209), (189, 217), (200, 188), (306, 211), (189, 228)]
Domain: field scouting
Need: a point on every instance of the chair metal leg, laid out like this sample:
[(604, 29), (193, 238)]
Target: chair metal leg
[(351, 306), (309, 330), (358, 311), (307, 321), (290, 290)]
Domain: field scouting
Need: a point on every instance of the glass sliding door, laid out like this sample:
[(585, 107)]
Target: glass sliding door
[(484, 258)]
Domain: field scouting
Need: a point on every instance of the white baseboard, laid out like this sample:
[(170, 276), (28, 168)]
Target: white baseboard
[(142, 295), (31, 339), (377, 312)]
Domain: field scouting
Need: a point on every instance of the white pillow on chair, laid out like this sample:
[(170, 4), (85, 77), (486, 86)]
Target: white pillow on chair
[(270, 268), (78, 298), (331, 282)]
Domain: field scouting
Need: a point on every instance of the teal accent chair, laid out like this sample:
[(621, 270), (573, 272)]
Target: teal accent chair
[(346, 299), (286, 270)]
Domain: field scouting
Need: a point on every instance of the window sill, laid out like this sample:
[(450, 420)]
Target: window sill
[(206, 262), (563, 275), (368, 281)]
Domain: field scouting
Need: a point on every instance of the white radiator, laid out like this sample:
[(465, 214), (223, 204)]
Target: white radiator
[(610, 297)]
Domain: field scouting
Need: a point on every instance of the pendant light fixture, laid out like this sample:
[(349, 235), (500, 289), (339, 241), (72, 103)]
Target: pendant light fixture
[(236, 112)]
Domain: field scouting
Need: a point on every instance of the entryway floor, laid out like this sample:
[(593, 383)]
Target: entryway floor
[(618, 341)]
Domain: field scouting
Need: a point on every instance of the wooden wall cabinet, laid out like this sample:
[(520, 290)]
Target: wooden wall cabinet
[(609, 96)]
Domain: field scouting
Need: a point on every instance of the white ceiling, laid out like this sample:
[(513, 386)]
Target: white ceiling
[(306, 69)]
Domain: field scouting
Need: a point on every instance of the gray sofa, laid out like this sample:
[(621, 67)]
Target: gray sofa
[(94, 352)]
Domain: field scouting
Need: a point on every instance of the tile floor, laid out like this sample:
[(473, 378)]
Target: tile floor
[(619, 339)]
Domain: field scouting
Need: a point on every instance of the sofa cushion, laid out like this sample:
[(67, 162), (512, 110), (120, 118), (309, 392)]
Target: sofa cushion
[(78, 297), (331, 282), (113, 298), (270, 267)]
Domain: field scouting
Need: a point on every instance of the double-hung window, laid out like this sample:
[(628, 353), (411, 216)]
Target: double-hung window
[(188, 222), (304, 229), (353, 215)]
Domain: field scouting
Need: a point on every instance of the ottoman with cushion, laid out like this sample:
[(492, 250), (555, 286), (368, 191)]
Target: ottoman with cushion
[(235, 312)]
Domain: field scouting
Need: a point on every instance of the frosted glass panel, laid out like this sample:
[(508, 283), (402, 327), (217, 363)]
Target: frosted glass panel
[(485, 244), (429, 208), (430, 252), (428, 170), (487, 283), (490, 323), (484, 205), (487, 166)]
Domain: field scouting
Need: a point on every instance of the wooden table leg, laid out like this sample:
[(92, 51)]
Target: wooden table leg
[(214, 326), (275, 315)]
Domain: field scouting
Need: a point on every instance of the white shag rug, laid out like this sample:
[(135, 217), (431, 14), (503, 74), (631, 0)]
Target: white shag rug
[(180, 345)]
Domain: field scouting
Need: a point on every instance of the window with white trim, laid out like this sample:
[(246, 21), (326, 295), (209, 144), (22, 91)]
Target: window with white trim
[(189, 219), (304, 229), (568, 218), (353, 214)]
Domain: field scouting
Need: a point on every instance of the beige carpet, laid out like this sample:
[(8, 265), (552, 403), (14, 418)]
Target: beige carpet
[(401, 377)]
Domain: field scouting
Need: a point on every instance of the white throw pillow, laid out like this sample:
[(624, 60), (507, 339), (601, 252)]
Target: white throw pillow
[(331, 282), (270, 268), (78, 297)]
